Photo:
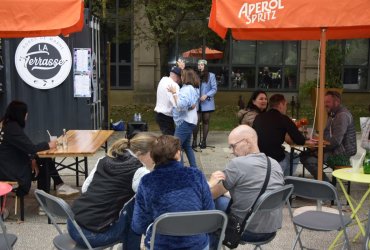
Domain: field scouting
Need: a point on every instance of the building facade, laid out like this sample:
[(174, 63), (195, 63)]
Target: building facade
[(240, 66)]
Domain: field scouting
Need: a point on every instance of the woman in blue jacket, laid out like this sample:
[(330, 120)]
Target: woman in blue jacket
[(171, 187), (208, 89)]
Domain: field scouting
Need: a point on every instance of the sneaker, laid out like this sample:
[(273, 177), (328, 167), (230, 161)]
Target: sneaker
[(41, 211), (66, 190), (5, 213)]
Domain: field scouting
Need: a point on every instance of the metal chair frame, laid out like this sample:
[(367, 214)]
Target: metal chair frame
[(317, 220), (267, 202), (367, 236), (56, 207), (6, 240), (189, 223)]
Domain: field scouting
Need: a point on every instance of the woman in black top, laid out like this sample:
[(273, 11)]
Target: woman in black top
[(18, 154)]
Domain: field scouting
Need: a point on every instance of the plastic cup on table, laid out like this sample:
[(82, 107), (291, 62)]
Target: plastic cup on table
[(54, 139)]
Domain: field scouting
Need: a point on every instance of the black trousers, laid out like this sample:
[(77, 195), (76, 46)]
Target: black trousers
[(165, 123), (47, 170)]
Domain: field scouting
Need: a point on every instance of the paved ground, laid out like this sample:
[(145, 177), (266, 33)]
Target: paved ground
[(36, 234)]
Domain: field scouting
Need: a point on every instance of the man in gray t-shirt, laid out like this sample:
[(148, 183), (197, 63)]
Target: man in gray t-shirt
[(243, 177)]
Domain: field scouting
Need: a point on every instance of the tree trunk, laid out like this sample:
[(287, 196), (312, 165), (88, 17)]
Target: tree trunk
[(163, 54)]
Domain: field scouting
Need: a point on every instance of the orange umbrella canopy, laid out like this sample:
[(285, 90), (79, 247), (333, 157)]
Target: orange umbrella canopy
[(34, 18), (209, 53), (294, 20), (290, 19)]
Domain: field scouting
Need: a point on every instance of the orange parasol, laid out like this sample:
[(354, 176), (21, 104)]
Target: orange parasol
[(209, 53), (294, 20), (34, 18)]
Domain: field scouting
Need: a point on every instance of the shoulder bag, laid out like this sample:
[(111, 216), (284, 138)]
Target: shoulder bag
[(235, 227)]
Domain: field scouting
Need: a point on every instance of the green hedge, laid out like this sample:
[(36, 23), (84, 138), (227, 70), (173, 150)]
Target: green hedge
[(223, 119)]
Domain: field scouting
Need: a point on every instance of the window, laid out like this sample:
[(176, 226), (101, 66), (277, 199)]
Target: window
[(356, 67), (119, 34), (243, 64), (264, 64)]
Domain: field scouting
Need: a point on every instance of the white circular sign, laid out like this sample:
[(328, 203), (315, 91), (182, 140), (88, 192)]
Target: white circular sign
[(43, 62)]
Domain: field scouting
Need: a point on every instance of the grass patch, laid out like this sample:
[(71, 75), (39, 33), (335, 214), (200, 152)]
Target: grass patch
[(223, 119)]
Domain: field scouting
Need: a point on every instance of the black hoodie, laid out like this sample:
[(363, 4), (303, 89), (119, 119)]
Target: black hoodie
[(109, 190)]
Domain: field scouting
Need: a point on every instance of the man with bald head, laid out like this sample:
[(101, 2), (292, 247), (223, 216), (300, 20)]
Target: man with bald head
[(243, 177)]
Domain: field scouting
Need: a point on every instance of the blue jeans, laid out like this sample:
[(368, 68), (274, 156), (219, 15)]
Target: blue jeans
[(285, 163), (184, 133), (221, 203), (206, 248), (118, 231)]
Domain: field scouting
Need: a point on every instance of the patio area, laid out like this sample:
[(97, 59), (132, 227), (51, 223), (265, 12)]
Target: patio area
[(35, 233)]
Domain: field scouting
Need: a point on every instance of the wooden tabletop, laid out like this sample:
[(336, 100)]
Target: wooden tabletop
[(81, 143), (306, 145)]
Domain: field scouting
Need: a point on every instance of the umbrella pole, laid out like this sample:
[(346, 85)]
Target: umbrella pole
[(321, 104)]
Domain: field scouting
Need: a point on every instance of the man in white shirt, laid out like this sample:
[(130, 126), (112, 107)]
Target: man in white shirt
[(163, 107)]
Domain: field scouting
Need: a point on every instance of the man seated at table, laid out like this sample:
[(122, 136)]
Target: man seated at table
[(339, 132), (244, 177), (273, 128)]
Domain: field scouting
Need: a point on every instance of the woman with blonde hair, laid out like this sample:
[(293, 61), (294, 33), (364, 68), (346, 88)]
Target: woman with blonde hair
[(106, 190)]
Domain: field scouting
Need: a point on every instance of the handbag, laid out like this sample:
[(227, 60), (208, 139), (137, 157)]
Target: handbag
[(235, 227)]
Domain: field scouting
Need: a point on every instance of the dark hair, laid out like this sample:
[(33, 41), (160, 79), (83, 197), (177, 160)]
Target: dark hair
[(204, 75), (164, 149), (250, 104), (276, 99), (16, 111), (334, 94), (188, 76)]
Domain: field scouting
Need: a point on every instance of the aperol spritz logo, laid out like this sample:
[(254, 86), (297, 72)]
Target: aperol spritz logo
[(260, 11), (43, 62)]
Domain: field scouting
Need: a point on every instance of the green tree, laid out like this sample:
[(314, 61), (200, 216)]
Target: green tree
[(164, 19)]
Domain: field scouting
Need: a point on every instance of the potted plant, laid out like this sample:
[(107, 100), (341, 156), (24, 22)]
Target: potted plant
[(333, 72), (305, 89), (338, 161), (335, 56), (334, 64)]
